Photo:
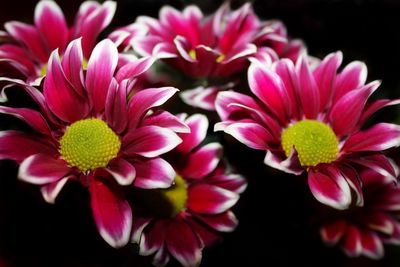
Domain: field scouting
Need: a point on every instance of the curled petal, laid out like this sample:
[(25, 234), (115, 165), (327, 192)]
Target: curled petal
[(111, 212), (251, 134), (51, 191), (202, 162), (330, 188), (150, 141), (123, 172), (18, 146), (60, 94), (154, 173), (100, 70), (208, 199), (144, 100), (49, 13), (377, 138), (183, 244), (42, 169)]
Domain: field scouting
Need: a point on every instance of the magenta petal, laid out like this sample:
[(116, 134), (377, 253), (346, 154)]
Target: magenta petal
[(201, 97), (51, 191), (352, 77), (94, 23), (42, 169), (133, 69), (251, 134), (308, 89), (60, 95), (232, 182), (116, 105), (374, 107), (166, 120), (202, 162), (153, 239), (123, 172), (138, 225), (111, 212), (290, 164), (380, 222), (30, 116), (268, 87), (208, 199), (154, 173), (325, 75), (377, 138), (161, 258), (29, 36), (144, 100), (372, 246), (100, 70), (286, 71), (18, 146), (379, 164), (330, 187), (352, 242), (183, 244), (150, 141), (331, 233), (224, 222), (72, 66), (346, 113), (198, 125), (50, 21)]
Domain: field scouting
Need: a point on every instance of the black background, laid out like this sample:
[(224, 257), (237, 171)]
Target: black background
[(277, 214)]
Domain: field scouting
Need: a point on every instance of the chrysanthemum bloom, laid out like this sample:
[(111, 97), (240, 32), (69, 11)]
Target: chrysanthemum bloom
[(181, 220), (215, 46), (87, 131), (27, 55), (364, 230), (310, 121)]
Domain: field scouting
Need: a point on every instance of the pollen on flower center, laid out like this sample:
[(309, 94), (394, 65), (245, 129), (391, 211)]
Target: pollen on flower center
[(192, 54), (314, 141), (89, 144), (168, 202)]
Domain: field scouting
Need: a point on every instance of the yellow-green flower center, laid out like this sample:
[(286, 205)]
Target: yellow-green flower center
[(168, 202), (314, 141), (192, 54), (89, 144)]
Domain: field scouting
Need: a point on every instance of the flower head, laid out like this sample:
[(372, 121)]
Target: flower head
[(310, 120), (364, 230), (87, 131), (29, 51), (179, 221)]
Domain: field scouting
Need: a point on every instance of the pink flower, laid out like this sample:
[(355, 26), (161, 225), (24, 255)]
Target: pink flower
[(28, 53), (310, 121), (364, 230), (87, 131), (217, 46), (181, 220)]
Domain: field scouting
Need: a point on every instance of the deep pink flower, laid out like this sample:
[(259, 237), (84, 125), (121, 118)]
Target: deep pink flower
[(29, 51), (86, 130), (214, 46), (364, 230), (310, 121), (189, 215)]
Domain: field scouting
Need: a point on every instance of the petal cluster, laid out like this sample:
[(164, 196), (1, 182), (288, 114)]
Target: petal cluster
[(26, 54), (211, 192), (288, 94), (96, 100)]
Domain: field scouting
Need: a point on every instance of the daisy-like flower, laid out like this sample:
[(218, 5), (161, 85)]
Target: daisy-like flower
[(364, 230), (26, 56), (215, 46), (87, 131), (310, 120), (179, 221)]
